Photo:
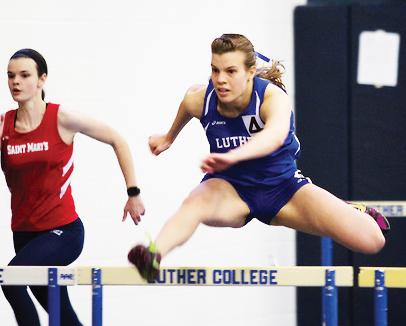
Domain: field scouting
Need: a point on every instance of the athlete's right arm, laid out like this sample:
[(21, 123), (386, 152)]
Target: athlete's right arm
[(190, 107)]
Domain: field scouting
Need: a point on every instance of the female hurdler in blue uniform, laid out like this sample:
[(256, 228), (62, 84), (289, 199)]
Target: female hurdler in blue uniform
[(251, 171)]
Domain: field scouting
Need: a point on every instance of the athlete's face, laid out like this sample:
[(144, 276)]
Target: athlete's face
[(230, 76), (23, 80)]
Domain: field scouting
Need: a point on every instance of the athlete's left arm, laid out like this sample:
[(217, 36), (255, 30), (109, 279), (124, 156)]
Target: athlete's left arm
[(70, 123), (275, 112)]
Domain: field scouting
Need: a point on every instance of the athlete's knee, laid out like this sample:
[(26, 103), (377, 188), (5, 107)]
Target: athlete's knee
[(373, 244), (199, 207), (378, 243), (198, 201)]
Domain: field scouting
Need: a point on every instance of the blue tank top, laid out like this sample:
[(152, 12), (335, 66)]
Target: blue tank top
[(225, 134)]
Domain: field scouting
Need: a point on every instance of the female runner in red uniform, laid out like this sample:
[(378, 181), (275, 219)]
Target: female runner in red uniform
[(36, 158)]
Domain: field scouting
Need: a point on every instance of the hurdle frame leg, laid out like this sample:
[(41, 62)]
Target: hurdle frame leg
[(326, 244), (380, 299), (97, 297), (330, 315), (54, 303)]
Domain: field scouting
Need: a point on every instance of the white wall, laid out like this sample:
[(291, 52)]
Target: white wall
[(129, 63)]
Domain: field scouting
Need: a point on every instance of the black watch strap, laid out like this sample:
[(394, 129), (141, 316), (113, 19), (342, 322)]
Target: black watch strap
[(133, 191)]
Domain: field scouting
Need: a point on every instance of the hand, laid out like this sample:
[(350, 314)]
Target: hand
[(158, 144), (217, 162), (134, 207)]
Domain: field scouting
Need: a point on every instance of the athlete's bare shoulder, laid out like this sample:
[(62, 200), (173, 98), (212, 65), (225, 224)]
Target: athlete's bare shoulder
[(194, 100), (273, 90), (196, 89), (275, 99), (67, 117)]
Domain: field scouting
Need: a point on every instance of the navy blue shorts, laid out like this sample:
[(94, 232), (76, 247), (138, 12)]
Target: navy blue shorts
[(59, 246), (265, 201)]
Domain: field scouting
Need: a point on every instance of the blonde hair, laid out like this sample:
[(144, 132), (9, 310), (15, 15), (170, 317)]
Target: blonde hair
[(236, 42)]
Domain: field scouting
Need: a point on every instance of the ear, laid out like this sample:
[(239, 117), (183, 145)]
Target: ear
[(252, 71), (42, 80)]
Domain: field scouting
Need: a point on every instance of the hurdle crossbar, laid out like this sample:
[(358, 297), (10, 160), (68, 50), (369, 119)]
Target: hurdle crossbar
[(35, 275), (201, 276), (395, 277), (220, 276), (53, 277)]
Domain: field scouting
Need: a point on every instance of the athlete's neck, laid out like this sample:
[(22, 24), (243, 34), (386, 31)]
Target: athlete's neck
[(235, 108), (29, 115)]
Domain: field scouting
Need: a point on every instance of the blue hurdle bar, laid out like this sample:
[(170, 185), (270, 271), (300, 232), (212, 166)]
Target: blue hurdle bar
[(326, 260), (326, 251), (54, 304), (97, 297), (330, 316), (380, 299)]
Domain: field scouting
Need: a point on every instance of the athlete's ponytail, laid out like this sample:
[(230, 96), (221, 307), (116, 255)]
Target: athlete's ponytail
[(273, 73), (42, 67)]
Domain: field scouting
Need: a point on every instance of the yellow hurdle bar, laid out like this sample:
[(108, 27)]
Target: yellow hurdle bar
[(223, 276), (395, 277), (387, 208)]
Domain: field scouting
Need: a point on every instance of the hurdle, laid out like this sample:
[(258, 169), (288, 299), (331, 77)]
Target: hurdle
[(381, 278), (97, 277), (50, 276)]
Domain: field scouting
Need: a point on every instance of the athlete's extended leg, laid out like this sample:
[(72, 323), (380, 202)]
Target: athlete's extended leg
[(316, 211), (214, 202)]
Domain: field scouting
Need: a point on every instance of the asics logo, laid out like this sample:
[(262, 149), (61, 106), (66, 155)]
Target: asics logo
[(57, 232), (216, 123)]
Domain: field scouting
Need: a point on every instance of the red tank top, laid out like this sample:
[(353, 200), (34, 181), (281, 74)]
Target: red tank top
[(38, 167)]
